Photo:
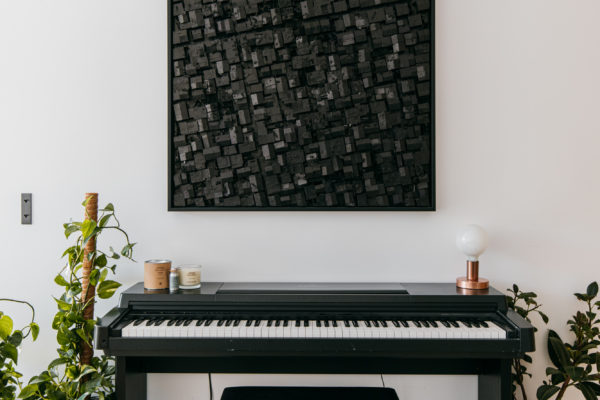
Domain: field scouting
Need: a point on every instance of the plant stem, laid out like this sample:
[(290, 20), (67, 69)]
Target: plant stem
[(517, 368), (563, 389)]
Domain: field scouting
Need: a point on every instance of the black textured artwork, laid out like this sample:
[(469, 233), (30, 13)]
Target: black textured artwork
[(316, 104)]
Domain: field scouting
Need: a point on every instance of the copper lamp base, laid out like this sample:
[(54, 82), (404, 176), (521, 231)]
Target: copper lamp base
[(472, 280)]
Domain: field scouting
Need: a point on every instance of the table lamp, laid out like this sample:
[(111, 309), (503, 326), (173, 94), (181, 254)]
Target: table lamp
[(472, 241)]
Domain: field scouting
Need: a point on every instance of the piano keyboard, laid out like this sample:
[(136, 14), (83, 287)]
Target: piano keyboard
[(313, 329)]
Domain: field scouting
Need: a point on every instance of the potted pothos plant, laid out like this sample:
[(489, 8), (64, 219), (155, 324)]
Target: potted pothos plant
[(10, 340), (78, 374)]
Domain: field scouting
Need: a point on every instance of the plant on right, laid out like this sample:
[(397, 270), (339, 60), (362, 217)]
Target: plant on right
[(576, 364)]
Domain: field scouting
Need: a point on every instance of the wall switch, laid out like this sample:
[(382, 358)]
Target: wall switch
[(26, 208)]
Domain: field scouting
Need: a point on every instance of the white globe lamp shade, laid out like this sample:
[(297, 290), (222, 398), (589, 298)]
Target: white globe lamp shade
[(472, 240)]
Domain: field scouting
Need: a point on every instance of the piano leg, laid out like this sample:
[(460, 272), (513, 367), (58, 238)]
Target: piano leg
[(496, 384), (131, 384)]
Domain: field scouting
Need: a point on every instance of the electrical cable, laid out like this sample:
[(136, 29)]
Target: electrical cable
[(382, 381)]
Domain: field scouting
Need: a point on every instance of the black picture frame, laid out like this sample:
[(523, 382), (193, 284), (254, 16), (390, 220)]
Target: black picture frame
[(172, 157)]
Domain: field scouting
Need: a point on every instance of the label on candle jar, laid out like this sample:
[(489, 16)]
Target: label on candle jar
[(189, 275)]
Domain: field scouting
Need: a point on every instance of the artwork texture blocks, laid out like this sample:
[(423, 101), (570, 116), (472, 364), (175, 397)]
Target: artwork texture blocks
[(315, 104)]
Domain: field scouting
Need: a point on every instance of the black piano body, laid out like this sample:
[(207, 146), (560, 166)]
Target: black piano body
[(235, 310)]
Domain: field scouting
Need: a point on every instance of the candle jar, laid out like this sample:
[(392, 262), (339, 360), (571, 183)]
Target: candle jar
[(156, 274), (189, 276)]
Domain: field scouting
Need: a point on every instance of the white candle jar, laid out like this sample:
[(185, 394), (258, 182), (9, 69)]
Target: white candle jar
[(189, 276)]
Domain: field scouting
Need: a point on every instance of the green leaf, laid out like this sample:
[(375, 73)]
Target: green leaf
[(60, 280), (11, 351), (103, 275), (101, 261), (6, 326), (63, 305), (91, 385), (70, 229), (515, 288), (544, 392), (126, 251), (592, 290), (41, 378), (88, 227), (28, 391), (16, 338), (544, 317), (107, 288), (108, 207), (588, 393), (94, 275), (104, 220), (575, 373), (57, 362), (552, 353)]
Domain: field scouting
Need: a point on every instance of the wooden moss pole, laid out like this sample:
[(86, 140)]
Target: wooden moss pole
[(88, 291)]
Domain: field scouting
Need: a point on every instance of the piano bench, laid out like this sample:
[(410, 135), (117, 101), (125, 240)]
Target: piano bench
[(307, 393)]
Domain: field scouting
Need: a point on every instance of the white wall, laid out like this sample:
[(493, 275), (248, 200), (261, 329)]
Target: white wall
[(83, 107)]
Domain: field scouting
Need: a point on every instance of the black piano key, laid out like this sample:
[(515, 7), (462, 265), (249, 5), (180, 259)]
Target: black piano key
[(297, 323), (285, 322), (220, 322), (138, 322), (249, 322), (228, 322), (187, 322), (433, 324), (257, 322), (484, 324), (179, 322), (383, 324), (199, 322), (355, 323), (208, 322), (446, 324), (467, 323), (270, 322), (375, 324), (396, 324), (236, 322), (319, 323), (171, 322), (347, 323), (425, 324), (326, 323), (277, 323), (306, 323), (417, 323), (404, 323), (150, 322), (476, 324), (367, 323), (334, 323), (454, 324)]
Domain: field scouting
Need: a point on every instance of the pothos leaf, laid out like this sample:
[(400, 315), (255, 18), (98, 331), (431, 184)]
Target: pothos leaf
[(35, 330), (6, 326), (107, 288)]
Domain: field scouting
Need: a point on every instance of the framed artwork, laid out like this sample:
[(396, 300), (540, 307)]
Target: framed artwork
[(301, 105)]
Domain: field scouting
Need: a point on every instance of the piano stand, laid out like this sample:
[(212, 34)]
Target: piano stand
[(494, 381)]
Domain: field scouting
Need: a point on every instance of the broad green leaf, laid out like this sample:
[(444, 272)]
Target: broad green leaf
[(41, 378), (101, 261), (107, 288), (553, 356), (592, 290), (16, 338), (57, 362), (544, 317), (588, 393), (11, 351), (28, 391), (104, 220), (62, 305), (108, 207), (103, 274), (70, 229), (575, 373), (6, 326), (88, 227), (87, 369), (60, 280), (544, 392), (94, 275), (91, 385)]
